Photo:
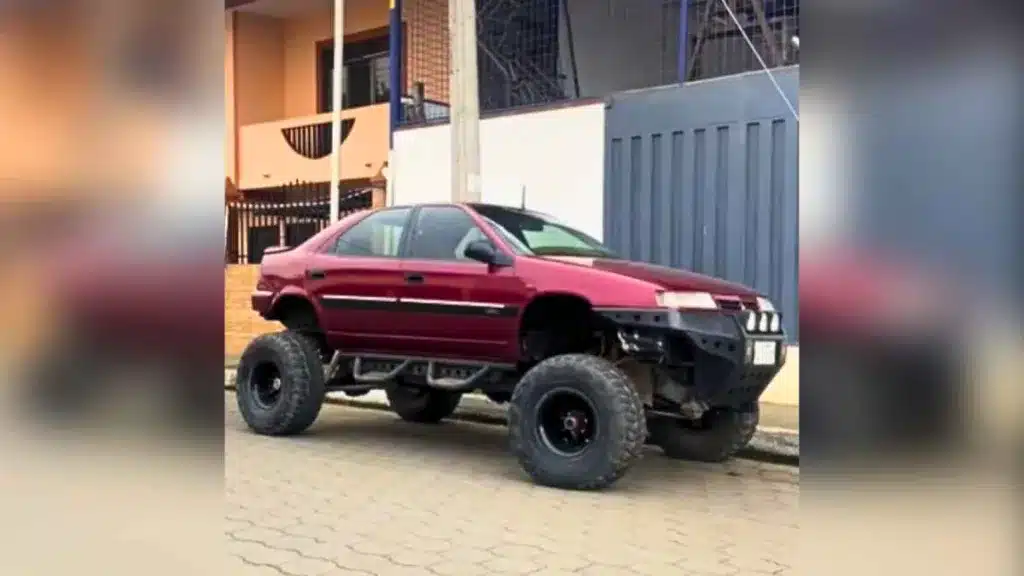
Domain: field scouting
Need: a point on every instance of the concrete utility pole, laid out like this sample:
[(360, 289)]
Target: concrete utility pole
[(336, 89), (464, 101)]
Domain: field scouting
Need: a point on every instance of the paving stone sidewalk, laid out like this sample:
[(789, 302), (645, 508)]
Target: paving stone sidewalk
[(364, 493)]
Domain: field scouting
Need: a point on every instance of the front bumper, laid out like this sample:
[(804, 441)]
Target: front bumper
[(711, 350)]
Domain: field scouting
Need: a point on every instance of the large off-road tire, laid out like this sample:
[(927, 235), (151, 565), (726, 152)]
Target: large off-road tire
[(719, 436), (607, 430), (422, 405), (280, 383)]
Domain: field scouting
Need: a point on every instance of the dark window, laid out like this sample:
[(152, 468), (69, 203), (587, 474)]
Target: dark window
[(367, 74), (443, 233), (379, 234)]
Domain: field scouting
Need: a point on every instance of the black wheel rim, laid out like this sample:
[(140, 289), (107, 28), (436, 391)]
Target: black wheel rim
[(266, 385), (566, 422)]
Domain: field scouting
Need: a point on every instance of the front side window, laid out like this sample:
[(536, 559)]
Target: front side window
[(541, 235), (443, 233), (379, 234)]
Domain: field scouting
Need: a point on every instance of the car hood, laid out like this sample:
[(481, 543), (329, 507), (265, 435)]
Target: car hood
[(669, 278)]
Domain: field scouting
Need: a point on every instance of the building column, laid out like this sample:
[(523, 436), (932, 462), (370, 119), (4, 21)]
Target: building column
[(464, 96), (396, 73), (336, 88)]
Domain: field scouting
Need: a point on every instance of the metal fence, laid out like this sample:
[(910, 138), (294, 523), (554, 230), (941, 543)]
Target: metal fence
[(283, 216), (534, 52), (716, 45)]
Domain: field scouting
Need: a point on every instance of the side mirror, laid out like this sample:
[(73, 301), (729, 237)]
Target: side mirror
[(484, 251)]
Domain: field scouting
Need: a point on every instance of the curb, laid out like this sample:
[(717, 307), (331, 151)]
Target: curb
[(772, 445)]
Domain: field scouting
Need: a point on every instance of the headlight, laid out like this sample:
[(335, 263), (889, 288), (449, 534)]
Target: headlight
[(765, 305), (776, 323), (690, 300), (764, 322)]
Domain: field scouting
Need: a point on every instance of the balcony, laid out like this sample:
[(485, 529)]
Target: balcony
[(283, 151)]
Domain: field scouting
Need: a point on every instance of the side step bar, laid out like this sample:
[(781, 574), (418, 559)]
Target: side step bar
[(378, 378), (454, 383)]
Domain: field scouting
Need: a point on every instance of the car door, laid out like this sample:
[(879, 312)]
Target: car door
[(456, 307), (356, 281)]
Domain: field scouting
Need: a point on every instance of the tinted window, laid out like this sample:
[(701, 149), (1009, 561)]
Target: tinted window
[(376, 235), (442, 233)]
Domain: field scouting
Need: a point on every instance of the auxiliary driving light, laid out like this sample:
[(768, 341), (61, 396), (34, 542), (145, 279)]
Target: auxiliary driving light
[(763, 326), (776, 323), (751, 322)]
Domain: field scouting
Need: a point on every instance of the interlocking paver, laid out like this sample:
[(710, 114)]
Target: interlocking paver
[(366, 494), (308, 567)]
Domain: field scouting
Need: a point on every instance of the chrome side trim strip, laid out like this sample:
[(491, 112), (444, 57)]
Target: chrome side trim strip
[(451, 303), (358, 298)]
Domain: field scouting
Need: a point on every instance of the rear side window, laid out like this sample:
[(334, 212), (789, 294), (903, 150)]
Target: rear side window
[(443, 233), (377, 235)]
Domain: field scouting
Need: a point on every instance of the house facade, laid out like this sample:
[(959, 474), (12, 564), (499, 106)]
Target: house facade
[(279, 59), (277, 83)]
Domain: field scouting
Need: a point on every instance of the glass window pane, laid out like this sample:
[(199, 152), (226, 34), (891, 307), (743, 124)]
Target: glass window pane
[(366, 79), (378, 234), (358, 85), (442, 233), (381, 79), (328, 89), (542, 235)]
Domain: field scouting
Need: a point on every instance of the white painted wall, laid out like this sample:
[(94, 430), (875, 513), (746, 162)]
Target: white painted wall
[(557, 155)]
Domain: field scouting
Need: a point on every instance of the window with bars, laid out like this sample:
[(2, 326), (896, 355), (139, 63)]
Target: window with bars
[(366, 73)]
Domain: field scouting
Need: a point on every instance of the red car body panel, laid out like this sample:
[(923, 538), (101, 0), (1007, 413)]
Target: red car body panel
[(663, 276), (853, 294), (469, 336), (128, 294), (604, 283)]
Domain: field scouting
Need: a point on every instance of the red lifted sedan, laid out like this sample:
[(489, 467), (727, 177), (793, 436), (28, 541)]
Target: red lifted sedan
[(596, 355)]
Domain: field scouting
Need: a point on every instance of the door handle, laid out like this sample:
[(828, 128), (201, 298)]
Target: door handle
[(316, 274), (414, 278)]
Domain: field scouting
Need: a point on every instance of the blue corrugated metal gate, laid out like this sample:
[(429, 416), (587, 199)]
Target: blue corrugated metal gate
[(704, 177)]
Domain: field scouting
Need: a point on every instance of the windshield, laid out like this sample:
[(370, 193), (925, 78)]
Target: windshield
[(539, 235)]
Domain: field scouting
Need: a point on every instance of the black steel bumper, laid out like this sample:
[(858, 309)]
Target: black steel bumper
[(715, 344)]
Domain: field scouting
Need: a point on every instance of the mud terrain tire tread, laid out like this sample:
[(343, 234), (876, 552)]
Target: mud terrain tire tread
[(622, 428), (424, 407), (297, 360), (730, 432)]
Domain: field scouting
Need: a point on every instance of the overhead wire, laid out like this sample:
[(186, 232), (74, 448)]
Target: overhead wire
[(760, 60)]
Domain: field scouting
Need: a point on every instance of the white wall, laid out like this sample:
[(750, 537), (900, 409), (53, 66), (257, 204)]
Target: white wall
[(557, 155)]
